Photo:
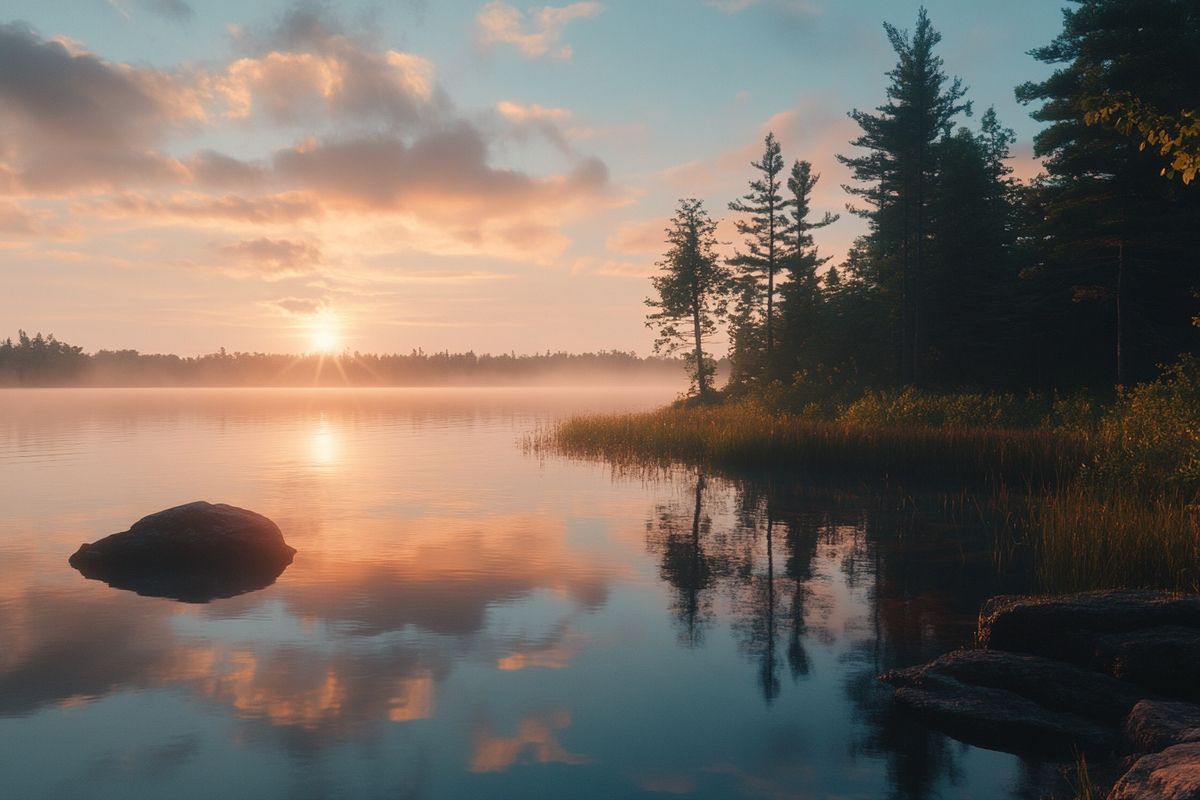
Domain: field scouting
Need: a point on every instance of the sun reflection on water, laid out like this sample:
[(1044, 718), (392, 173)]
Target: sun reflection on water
[(323, 443)]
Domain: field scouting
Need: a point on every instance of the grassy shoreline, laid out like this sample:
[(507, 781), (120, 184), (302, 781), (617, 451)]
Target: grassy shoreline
[(1104, 503)]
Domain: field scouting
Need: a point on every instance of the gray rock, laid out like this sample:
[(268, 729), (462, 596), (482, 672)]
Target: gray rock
[(1015, 703), (1068, 627), (1173, 774), (1165, 658), (1055, 685), (1155, 725), (195, 552)]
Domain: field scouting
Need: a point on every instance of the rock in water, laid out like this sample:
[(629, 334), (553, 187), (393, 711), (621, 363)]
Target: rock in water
[(1173, 774), (1067, 627), (1016, 702), (195, 552)]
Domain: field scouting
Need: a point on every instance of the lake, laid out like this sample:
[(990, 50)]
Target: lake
[(466, 618)]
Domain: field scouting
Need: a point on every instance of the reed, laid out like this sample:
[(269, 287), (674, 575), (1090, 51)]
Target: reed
[(1088, 536), (745, 436), (1107, 497)]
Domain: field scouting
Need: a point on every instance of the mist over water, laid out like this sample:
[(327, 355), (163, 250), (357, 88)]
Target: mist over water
[(464, 618)]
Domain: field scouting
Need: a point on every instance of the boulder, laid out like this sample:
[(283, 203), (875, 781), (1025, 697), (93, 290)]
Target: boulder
[(1068, 627), (1155, 725), (1164, 658), (195, 552), (1015, 703), (1055, 685), (1173, 774)]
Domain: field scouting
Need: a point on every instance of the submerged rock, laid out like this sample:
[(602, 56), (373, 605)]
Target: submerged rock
[(195, 552), (1173, 774)]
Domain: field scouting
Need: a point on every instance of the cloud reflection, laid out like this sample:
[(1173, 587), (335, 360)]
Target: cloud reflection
[(536, 741)]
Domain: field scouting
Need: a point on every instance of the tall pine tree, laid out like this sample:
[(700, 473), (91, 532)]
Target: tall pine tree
[(800, 296), (899, 169), (760, 263), (1118, 242)]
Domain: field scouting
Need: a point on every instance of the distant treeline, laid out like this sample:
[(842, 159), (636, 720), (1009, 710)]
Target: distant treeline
[(46, 361)]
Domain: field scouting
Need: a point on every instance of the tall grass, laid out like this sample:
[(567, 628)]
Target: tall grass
[(1092, 537), (1110, 493), (748, 436)]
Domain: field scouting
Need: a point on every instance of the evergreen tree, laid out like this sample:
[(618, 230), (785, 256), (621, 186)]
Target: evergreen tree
[(800, 296), (898, 170), (971, 271), (764, 256), (692, 292), (1117, 243)]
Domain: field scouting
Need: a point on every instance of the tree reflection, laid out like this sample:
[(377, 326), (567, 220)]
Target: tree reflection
[(879, 582), (686, 564)]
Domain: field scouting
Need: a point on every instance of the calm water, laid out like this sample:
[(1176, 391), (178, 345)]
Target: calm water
[(463, 619)]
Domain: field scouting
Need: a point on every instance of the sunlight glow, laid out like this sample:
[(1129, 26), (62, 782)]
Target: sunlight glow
[(323, 335)]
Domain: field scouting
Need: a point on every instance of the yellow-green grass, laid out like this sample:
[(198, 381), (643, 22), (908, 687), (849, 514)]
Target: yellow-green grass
[(749, 437), (1092, 520), (1087, 536)]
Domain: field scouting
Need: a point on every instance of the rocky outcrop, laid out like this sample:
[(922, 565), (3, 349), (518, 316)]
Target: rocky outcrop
[(1053, 674), (195, 552), (1173, 774), (1156, 725), (1068, 628), (1057, 686)]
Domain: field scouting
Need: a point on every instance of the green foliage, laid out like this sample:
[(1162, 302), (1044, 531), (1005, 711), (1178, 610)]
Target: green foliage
[(758, 265), (1112, 242), (1176, 137), (1151, 438), (692, 292), (899, 170), (912, 407)]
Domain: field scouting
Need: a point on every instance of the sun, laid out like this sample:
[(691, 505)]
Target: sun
[(323, 335)]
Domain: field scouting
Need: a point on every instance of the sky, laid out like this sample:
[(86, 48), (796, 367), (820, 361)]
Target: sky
[(180, 176)]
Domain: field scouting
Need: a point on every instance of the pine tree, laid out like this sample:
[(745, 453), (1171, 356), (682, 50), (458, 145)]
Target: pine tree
[(763, 258), (692, 291), (1118, 242), (899, 167), (971, 261), (800, 296)]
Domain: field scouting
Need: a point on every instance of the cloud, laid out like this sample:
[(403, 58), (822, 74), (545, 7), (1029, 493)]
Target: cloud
[(174, 10), (338, 80), (384, 150), (536, 35), (444, 173), (69, 118), (210, 168), (639, 237), (543, 121), (299, 306), (799, 8), (271, 209), (274, 257), (16, 220)]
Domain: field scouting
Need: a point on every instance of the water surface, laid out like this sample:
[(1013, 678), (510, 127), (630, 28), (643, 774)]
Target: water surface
[(464, 619)]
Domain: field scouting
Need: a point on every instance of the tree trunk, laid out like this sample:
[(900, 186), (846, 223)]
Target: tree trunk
[(702, 387)]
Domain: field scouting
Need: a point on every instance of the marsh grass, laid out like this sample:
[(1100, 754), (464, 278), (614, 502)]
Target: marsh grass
[(1101, 497), (1092, 537), (749, 437)]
